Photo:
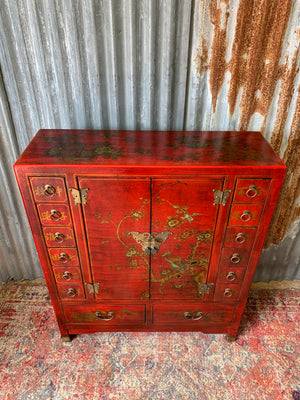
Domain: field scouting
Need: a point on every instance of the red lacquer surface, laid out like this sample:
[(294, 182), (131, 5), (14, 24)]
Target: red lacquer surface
[(117, 208), (149, 148), (152, 248), (185, 209)]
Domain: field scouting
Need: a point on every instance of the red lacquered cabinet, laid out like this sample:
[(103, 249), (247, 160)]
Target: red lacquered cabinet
[(149, 231)]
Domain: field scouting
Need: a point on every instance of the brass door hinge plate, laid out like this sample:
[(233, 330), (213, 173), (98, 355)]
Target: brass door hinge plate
[(221, 196), (80, 195), (205, 287), (93, 287)]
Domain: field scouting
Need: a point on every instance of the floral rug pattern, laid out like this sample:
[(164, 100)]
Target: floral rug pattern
[(262, 364)]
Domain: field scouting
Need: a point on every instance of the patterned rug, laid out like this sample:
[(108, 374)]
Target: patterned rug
[(263, 364)]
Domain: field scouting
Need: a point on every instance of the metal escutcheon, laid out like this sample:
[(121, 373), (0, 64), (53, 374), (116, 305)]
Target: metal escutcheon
[(55, 215), (49, 190), (59, 237), (104, 316), (251, 192), (72, 292), (246, 216), (67, 276), (240, 238), (64, 258), (231, 276), (228, 292), (235, 258)]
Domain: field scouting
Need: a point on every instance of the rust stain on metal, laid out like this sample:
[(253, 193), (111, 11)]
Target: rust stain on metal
[(202, 56), (217, 63), (255, 62), (287, 79), (287, 210), (258, 72)]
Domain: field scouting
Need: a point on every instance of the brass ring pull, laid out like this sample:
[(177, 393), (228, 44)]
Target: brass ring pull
[(228, 292), (104, 316), (235, 258), (64, 258), (67, 276), (240, 238), (59, 237), (49, 190), (251, 192), (246, 216), (195, 316), (71, 292), (55, 215), (231, 276)]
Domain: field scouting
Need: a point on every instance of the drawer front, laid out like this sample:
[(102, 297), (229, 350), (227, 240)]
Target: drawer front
[(226, 292), (234, 258), (67, 275), (191, 314), (251, 190), (49, 189), (59, 237), (240, 238), (63, 257), (231, 275), (119, 315), (55, 215), (245, 215), (71, 292)]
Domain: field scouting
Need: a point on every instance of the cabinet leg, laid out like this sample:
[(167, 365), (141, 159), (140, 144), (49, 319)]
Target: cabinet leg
[(230, 338), (66, 338)]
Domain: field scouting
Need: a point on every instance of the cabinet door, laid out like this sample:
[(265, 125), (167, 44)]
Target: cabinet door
[(115, 210), (185, 209)]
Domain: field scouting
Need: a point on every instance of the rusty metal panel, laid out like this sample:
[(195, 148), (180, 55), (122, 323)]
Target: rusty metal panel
[(244, 75), (148, 64)]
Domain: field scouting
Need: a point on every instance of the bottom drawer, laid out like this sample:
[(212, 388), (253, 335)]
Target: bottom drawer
[(108, 315), (191, 314)]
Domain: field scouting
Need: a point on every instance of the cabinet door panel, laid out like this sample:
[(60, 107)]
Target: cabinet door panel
[(185, 209), (115, 209)]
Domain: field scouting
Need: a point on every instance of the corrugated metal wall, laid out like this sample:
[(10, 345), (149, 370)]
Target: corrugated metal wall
[(150, 64)]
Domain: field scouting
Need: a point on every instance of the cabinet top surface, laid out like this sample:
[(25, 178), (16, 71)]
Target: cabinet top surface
[(149, 148)]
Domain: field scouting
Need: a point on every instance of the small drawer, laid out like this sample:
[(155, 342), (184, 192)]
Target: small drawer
[(72, 292), (251, 190), (67, 275), (191, 315), (118, 315), (48, 189), (54, 215), (63, 257), (231, 275), (59, 237), (226, 291), (234, 258), (240, 237), (245, 215)]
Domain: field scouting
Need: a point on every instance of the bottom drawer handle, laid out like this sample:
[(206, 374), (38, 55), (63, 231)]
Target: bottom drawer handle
[(195, 316), (104, 316)]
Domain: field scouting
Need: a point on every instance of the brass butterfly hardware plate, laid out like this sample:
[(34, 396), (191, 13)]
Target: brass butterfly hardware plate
[(150, 242), (80, 195), (221, 196), (93, 287)]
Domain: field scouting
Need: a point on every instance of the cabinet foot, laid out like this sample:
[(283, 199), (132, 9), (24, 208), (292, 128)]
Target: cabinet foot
[(66, 339), (230, 338)]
